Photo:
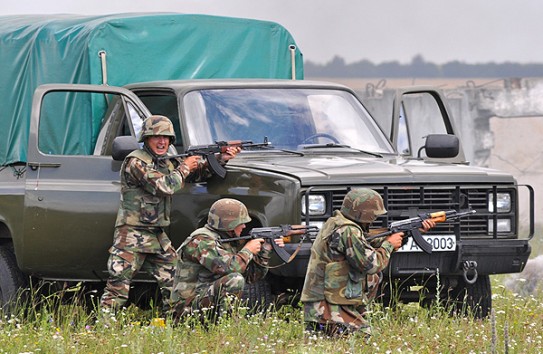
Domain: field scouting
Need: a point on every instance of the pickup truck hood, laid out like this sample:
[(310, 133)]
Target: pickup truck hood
[(320, 169)]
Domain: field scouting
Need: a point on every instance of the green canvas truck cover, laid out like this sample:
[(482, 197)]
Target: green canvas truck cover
[(40, 49)]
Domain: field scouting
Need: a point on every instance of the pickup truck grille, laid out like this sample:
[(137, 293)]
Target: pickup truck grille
[(404, 202)]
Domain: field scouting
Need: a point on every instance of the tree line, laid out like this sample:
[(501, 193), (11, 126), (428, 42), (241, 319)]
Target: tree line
[(420, 68)]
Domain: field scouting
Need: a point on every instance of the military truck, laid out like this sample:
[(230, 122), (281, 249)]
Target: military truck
[(58, 204)]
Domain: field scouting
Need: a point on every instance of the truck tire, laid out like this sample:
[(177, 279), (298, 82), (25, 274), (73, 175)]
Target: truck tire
[(258, 296), (12, 280), (472, 299)]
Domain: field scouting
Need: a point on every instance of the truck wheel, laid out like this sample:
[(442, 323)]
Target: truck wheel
[(472, 299), (12, 279), (258, 296)]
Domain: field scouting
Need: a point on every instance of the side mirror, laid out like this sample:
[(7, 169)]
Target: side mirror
[(441, 146), (122, 146)]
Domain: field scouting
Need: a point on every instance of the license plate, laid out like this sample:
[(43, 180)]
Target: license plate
[(441, 243)]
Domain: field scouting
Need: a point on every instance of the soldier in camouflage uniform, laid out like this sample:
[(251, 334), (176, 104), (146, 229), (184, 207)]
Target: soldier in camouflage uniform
[(147, 186), (210, 272), (344, 269)]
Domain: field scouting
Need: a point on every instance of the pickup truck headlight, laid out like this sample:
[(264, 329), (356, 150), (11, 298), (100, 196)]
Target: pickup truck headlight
[(504, 225), (503, 202), (317, 204)]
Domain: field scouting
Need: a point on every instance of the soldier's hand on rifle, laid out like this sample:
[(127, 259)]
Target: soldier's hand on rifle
[(396, 240), (255, 245), (191, 162), (427, 225), (279, 242), (230, 153)]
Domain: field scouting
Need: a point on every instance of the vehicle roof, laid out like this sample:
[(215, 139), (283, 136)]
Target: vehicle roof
[(187, 85)]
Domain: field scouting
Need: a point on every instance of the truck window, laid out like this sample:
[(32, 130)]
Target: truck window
[(334, 114), (70, 121), (84, 123), (289, 119), (403, 146), (165, 105), (419, 116)]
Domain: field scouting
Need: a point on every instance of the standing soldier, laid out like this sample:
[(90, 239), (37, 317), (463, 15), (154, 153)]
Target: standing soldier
[(344, 269), (147, 186), (208, 271)]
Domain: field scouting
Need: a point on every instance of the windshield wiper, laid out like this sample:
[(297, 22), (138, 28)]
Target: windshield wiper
[(292, 152), (272, 148), (334, 145), (327, 145)]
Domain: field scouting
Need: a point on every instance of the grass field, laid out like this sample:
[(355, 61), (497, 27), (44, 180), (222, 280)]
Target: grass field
[(56, 326)]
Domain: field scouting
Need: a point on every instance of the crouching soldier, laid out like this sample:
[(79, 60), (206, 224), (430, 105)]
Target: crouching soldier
[(210, 274)]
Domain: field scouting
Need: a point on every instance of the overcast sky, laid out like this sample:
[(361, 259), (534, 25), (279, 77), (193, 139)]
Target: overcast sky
[(471, 31)]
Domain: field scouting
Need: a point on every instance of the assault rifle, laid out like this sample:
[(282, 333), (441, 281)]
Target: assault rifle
[(410, 227), (209, 151), (269, 234)]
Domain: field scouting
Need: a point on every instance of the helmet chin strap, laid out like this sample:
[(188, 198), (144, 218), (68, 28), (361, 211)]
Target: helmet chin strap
[(148, 149), (227, 234), (230, 233)]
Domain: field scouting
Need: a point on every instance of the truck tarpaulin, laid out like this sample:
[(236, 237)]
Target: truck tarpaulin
[(40, 49)]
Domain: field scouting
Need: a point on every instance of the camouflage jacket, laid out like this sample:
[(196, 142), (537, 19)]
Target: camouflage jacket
[(203, 259), (340, 260), (147, 188)]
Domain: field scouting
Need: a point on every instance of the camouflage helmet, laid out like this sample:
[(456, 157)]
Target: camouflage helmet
[(362, 205), (226, 214), (157, 125)]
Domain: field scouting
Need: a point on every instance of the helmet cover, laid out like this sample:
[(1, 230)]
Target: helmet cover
[(157, 126), (226, 214), (362, 205)]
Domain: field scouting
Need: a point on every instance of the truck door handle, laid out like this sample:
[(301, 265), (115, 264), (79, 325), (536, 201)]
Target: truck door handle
[(35, 165)]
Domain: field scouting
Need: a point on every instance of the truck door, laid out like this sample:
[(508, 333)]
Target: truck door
[(72, 184), (417, 113)]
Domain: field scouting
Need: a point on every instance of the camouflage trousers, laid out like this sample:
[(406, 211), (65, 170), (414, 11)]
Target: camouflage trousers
[(123, 266), (336, 320), (213, 299)]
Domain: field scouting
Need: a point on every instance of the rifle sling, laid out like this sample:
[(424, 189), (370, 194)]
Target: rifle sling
[(281, 253)]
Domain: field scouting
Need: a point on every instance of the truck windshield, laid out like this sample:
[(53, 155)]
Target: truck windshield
[(290, 119)]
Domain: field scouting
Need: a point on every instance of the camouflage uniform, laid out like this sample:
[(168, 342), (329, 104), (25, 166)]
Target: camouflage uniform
[(344, 270), (140, 241), (208, 270)]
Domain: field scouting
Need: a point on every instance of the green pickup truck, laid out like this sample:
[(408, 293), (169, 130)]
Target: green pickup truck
[(58, 204)]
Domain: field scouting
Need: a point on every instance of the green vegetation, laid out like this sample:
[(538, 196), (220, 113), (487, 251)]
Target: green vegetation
[(420, 68), (53, 325)]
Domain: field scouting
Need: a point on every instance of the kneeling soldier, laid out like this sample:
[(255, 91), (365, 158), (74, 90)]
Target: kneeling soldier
[(209, 271)]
